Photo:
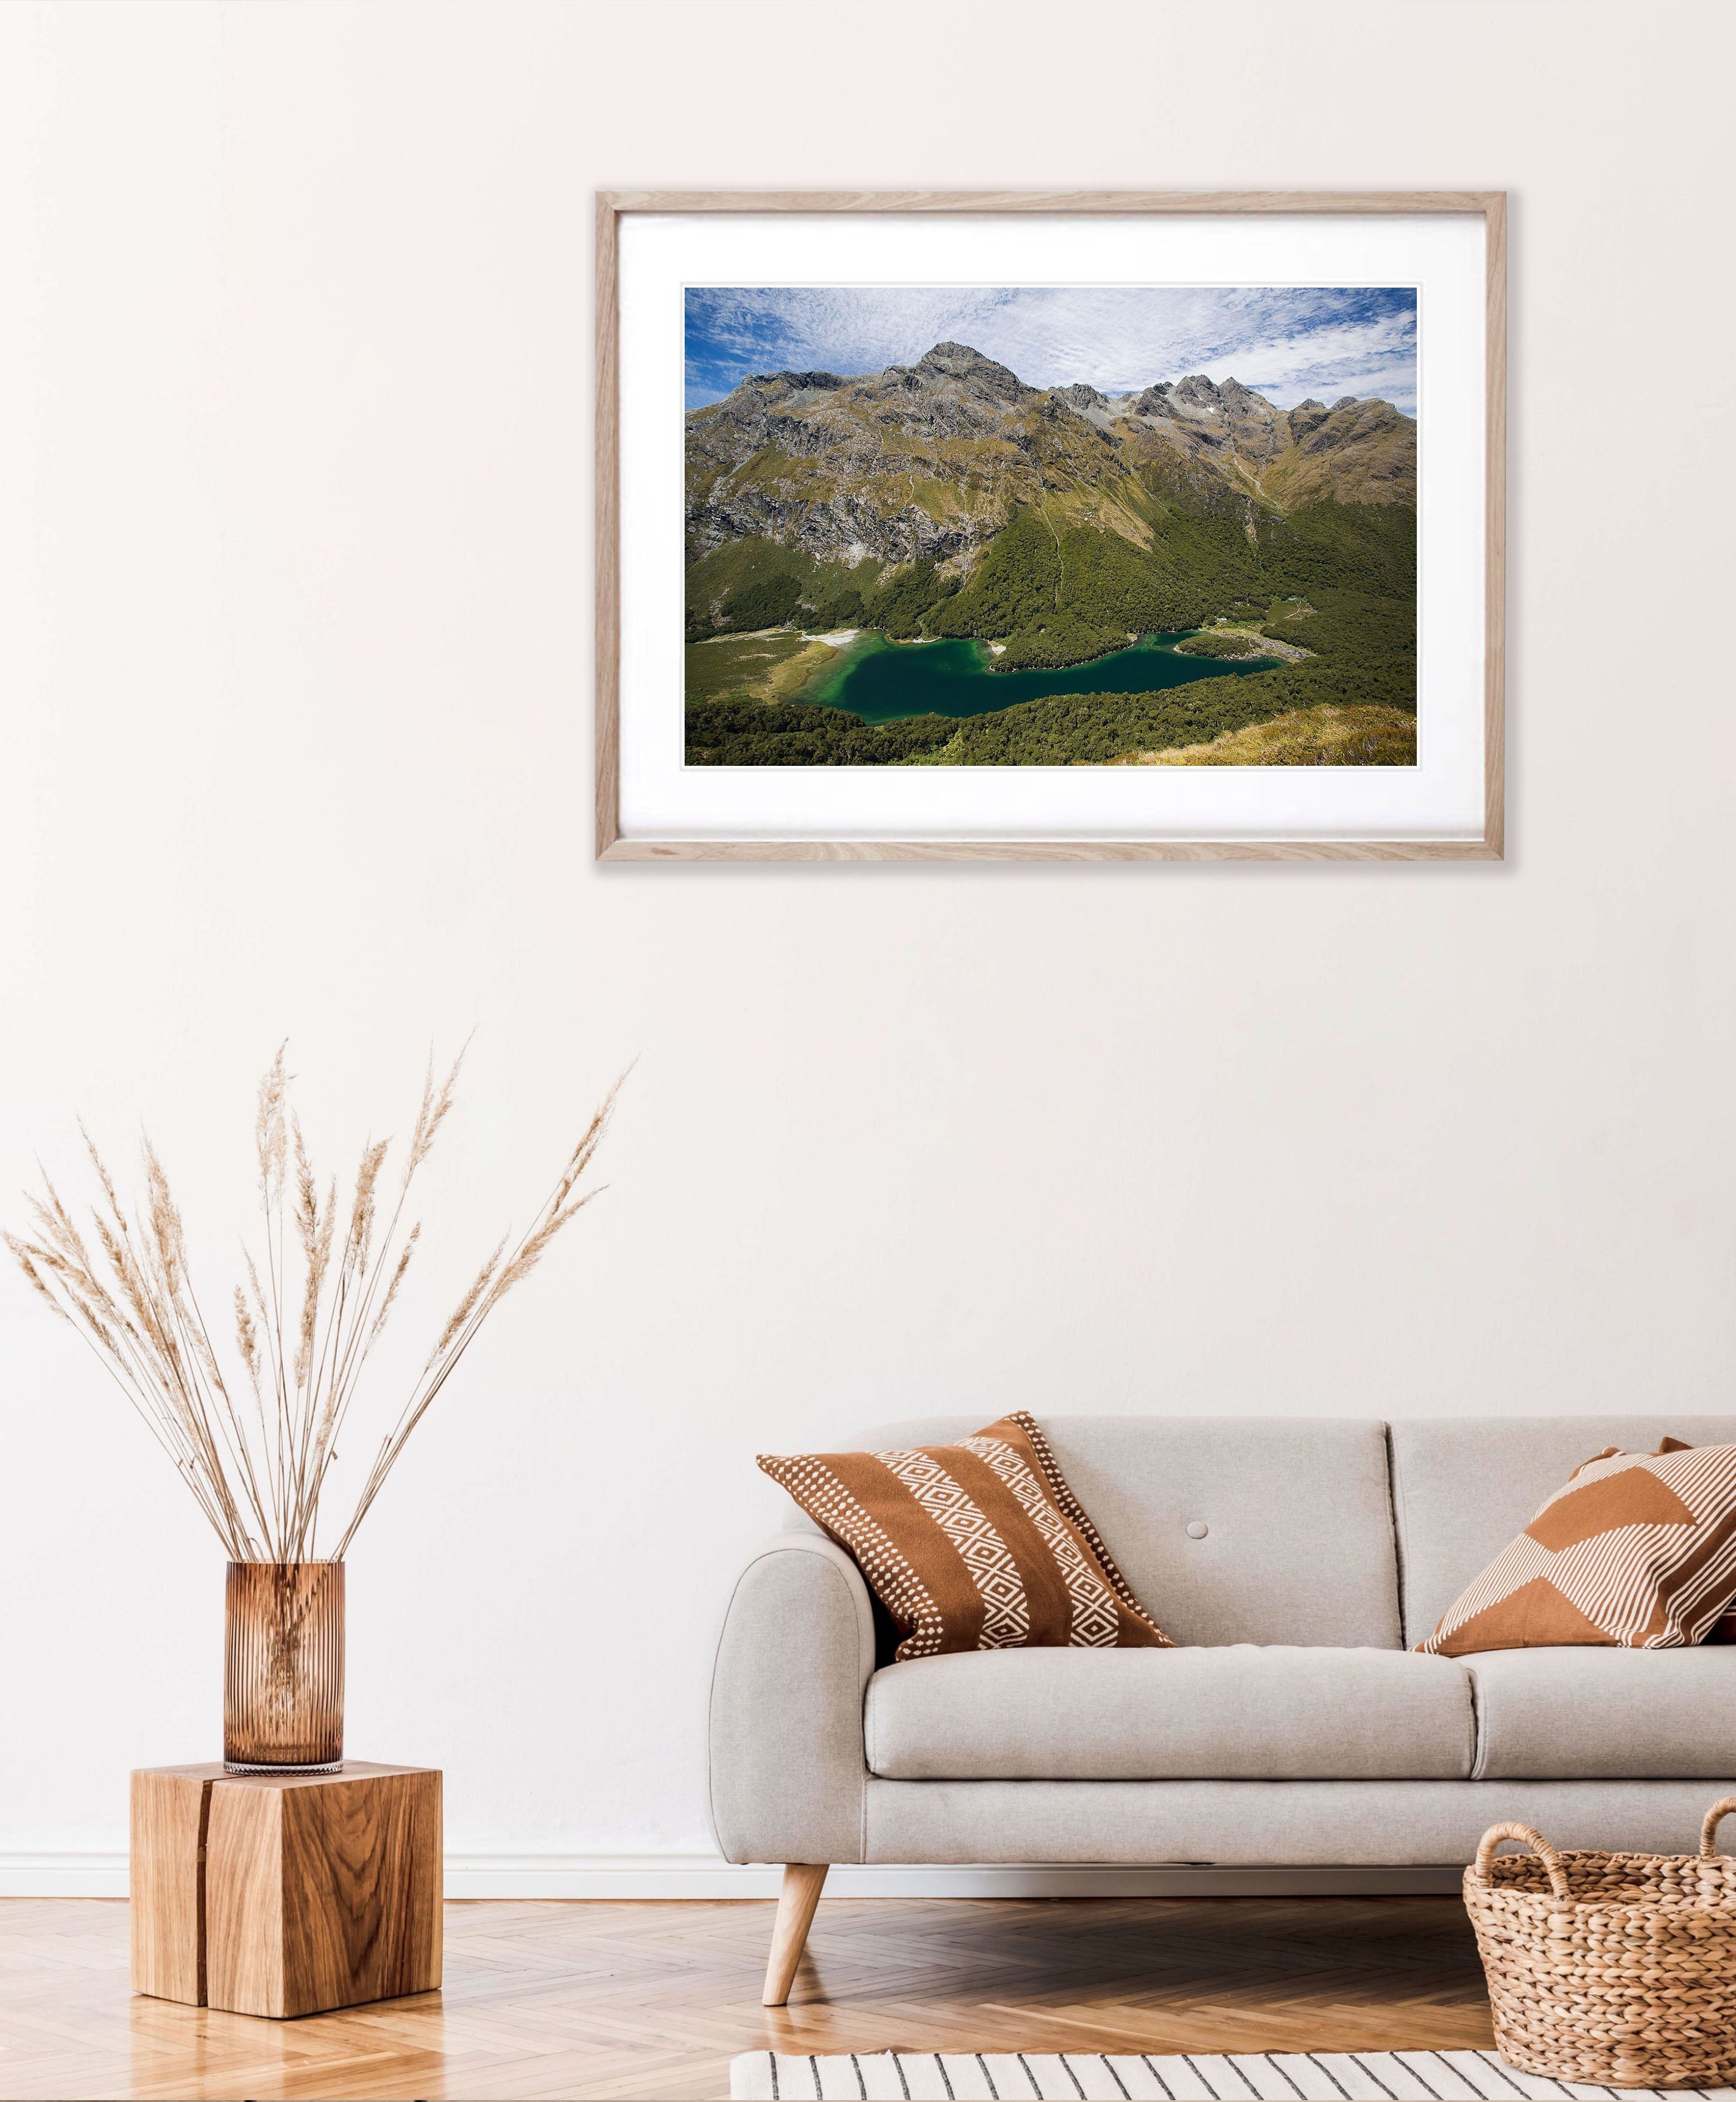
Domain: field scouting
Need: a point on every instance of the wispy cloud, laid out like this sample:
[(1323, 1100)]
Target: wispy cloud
[(1285, 342)]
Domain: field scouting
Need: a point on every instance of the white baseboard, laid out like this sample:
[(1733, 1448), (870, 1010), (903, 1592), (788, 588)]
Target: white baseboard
[(95, 1875), (62, 1875)]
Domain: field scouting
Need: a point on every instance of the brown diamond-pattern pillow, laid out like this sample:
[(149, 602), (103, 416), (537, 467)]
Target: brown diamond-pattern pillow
[(1638, 1551), (976, 1546)]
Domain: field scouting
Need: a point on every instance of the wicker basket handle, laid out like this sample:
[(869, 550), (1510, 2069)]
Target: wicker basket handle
[(1709, 1830), (1540, 1848)]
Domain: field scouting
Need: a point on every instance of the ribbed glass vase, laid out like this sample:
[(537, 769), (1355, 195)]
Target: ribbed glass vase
[(283, 1668)]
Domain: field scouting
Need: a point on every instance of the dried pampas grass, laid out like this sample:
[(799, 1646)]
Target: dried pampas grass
[(255, 1450)]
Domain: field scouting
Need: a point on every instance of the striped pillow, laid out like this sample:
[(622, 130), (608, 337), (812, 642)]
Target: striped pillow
[(976, 1546), (1723, 1630), (1638, 1551)]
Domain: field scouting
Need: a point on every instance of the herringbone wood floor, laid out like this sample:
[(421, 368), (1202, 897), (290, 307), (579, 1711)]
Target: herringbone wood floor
[(651, 2000)]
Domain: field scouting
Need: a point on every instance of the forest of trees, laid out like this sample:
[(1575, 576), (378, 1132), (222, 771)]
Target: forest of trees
[(1364, 654), (1065, 598), (1030, 578), (749, 584), (750, 733)]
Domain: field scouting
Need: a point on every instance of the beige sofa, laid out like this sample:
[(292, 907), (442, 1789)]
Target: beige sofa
[(1297, 1560)]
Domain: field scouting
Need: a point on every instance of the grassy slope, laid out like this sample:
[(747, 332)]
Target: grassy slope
[(1324, 736), (757, 668), (1374, 462)]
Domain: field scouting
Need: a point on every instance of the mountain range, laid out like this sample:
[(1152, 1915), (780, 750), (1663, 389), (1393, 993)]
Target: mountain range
[(932, 460)]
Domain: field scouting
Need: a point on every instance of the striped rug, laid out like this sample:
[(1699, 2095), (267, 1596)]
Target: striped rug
[(1312, 2076)]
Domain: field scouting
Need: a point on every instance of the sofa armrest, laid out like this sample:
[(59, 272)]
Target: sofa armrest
[(788, 1773)]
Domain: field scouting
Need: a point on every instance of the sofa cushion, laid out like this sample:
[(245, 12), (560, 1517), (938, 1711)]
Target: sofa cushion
[(1235, 1529), (1603, 1714), (975, 1544), (1173, 1715), (1463, 1486), (1251, 1825)]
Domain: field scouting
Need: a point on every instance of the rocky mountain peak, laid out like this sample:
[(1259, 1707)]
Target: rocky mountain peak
[(797, 382), (980, 374), (1345, 401), (1196, 391), (1080, 396), (951, 357)]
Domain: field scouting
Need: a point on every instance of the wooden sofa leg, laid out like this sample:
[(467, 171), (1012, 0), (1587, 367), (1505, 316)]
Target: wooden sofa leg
[(803, 1884)]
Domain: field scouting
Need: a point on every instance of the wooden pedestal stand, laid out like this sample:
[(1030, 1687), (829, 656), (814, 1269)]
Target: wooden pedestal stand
[(281, 1894)]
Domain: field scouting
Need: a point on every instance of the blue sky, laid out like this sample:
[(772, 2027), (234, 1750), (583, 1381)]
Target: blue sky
[(1285, 342)]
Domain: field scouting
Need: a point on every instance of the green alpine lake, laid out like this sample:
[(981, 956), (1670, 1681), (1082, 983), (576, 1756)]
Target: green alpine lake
[(883, 681)]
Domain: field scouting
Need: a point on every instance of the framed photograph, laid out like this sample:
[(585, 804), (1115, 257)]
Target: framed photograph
[(1067, 526)]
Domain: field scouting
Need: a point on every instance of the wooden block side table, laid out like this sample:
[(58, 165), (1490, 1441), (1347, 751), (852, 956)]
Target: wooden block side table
[(286, 1894)]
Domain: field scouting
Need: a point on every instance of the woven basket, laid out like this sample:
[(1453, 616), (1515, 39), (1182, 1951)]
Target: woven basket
[(1617, 1969)]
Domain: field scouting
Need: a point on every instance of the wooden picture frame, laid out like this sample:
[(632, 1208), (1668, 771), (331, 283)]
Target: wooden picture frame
[(612, 207)]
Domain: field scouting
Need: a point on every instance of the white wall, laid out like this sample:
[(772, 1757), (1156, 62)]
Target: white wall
[(295, 492)]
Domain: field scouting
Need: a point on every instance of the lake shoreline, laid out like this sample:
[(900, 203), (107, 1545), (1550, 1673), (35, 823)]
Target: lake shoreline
[(885, 679)]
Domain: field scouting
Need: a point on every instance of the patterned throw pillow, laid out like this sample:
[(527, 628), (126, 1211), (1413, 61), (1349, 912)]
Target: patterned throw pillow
[(976, 1546), (1723, 1630), (1638, 1551)]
